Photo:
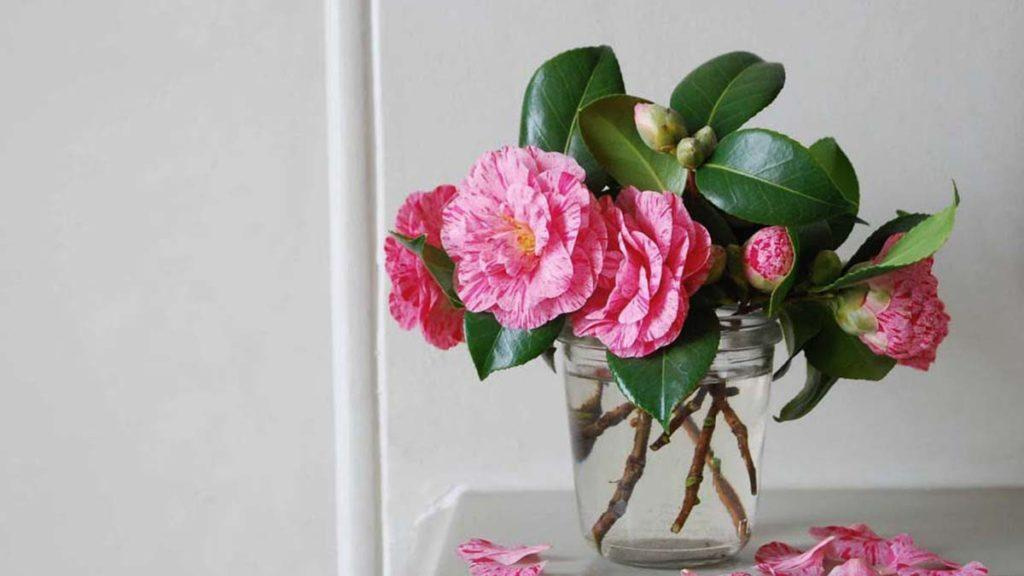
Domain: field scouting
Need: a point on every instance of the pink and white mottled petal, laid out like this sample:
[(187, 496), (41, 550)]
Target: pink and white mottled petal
[(905, 553), (854, 567), (781, 559), (969, 569), (479, 548), (855, 541), (492, 568)]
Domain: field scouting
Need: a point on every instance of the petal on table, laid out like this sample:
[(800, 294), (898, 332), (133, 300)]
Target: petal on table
[(854, 567), (781, 559), (480, 549), (855, 541)]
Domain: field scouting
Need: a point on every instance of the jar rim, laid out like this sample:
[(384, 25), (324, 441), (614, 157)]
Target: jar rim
[(739, 331)]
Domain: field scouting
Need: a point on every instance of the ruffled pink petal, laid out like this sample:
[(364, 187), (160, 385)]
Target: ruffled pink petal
[(855, 541), (854, 567), (525, 235), (685, 572), (415, 299), (492, 568), (781, 559), (910, 560), (656, 258), (911, 318), (478, 549)]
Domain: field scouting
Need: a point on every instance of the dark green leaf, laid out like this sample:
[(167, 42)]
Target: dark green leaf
[(801, 321), (494, 347), (610, 133), (839, 354), (839, 229), (656, 383), (830, 156), (815, 388), (918, 243), (557, 92), (727, 91), (437, 262), (766, 177), (704, 212)]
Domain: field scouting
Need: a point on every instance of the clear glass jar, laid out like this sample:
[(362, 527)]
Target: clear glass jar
[(629, 495)]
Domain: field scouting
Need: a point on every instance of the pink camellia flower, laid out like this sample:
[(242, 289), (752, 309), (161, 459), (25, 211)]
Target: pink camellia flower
[(415, 298), (525, 235), (898, 314), (768, 257), (657, 257), (486, 558)]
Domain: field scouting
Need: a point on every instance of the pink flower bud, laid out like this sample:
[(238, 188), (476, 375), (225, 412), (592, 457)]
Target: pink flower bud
[(898, 314), (659, 127), (768, 257)]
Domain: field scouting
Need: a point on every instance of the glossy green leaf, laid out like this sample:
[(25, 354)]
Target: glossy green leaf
[(559, 89), (726, 91), (494, 347), (656, 383), (768, 178), (704, 212), (839, 228), (831, 157), (437, 262), (801, 320), (815, 388), (918, 243), (839, 354), (610, 133), (873, 245), (840, 170)]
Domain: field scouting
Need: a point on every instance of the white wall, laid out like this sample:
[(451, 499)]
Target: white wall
[(165, 390), (915, 92)]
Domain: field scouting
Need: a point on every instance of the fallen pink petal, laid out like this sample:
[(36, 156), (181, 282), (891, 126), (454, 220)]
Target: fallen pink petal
[(478, 548), (855, 541), (485, 558), (910, 560), (685, 572), (854, 567), (781, 559), (491, 568)]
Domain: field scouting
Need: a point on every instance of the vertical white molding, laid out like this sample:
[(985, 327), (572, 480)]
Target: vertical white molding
[(351, 162)]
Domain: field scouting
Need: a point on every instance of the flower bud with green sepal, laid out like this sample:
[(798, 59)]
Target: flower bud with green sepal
[(660, 128), (706, 140), (826, 268), (689, 153)]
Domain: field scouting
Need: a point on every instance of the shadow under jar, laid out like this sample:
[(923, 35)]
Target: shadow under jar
[(632, 482)]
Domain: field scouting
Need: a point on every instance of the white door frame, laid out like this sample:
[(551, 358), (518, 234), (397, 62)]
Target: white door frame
[(351, 144)]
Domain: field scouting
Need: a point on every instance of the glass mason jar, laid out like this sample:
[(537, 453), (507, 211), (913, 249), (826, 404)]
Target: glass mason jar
[(631, 485)]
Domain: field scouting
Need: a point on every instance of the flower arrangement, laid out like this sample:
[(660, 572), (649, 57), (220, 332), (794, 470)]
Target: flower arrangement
[(629, 222)]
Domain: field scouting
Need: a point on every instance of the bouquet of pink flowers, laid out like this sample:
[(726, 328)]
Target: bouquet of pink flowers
[(630, 222)]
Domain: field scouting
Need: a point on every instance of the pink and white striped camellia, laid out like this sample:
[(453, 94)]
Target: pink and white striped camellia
[(898, 314), (415, 299), (657, 257), (526, 236)]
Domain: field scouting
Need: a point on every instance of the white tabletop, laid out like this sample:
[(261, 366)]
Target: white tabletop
[(962, 525)]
